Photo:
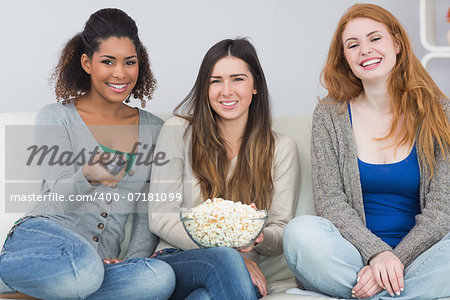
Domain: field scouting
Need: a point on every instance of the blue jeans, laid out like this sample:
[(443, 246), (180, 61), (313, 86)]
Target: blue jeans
[(214, 273), (45, 260), (325, 262)]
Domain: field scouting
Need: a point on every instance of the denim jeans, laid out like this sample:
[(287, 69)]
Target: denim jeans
[(45, 260), (323, 261), (214, 273)]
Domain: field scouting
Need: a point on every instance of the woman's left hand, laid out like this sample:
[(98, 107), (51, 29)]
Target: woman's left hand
[(257, 276), (388, 272), (258, 240), (109, 261)]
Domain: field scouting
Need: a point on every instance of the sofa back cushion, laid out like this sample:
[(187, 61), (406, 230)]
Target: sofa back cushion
[(299, 128)]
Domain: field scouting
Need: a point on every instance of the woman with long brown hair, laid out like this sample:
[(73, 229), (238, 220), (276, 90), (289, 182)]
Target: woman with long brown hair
[(221, 144), (380, 165)]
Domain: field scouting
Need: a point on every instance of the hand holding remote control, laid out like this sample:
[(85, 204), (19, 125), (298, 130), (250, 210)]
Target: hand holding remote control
[(115, 165), (105, 169)]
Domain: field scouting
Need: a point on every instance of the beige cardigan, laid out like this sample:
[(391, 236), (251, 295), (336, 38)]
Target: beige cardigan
[(176, 177)]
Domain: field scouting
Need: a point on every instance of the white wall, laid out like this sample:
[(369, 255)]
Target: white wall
[(291, 37)]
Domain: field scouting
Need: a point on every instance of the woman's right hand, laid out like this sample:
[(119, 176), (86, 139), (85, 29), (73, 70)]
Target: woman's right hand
[(366, 285), (388, 271), (257, 276), (110, 261), (97, 173)]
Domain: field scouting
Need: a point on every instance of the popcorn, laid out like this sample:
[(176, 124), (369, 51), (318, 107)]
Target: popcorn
[(224, 223)]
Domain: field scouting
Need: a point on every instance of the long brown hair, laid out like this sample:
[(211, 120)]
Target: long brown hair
[(251, 180), (414, 95)]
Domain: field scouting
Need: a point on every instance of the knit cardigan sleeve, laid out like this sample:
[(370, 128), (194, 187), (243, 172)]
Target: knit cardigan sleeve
[(53, 123), (171, 178), (286, 176), (433, 223), (335, 179)]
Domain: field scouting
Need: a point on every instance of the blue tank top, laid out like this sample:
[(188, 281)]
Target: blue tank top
[(390, 196)]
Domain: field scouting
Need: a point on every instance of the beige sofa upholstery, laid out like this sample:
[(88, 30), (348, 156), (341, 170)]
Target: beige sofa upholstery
[(277, 273), (279, 277)]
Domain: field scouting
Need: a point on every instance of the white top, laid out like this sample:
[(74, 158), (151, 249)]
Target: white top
[(176, 177)]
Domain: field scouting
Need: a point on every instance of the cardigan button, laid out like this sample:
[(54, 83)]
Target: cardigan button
[(104, 214), (101, 226), (108, 201), (95, 238)]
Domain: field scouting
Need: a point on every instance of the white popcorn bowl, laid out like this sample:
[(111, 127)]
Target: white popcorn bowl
[(236, 239)]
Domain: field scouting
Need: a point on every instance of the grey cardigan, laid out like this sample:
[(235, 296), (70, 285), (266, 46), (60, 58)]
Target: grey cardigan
[(337, 188), (100, 222)]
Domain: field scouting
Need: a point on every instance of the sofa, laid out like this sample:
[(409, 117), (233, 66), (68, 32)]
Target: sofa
[(278, 275)]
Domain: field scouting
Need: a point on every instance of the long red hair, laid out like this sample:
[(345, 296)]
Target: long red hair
[(414, 95)]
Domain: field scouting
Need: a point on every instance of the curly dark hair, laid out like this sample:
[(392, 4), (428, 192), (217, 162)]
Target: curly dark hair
[(72, 81)]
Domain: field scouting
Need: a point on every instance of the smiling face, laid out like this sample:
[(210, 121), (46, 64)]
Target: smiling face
[(231, 89), (113, 69), (369, 49)]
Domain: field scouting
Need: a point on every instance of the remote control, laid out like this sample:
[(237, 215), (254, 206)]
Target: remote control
[(115, 165)]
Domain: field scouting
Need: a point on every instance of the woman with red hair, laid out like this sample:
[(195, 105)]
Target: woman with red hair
[(380, 165)]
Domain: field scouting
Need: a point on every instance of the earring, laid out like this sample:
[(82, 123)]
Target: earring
[(143, 103)]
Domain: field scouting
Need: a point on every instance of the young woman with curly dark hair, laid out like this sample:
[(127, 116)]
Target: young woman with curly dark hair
[(70, 249)]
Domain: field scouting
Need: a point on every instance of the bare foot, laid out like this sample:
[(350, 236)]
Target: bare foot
[(16, 296)]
